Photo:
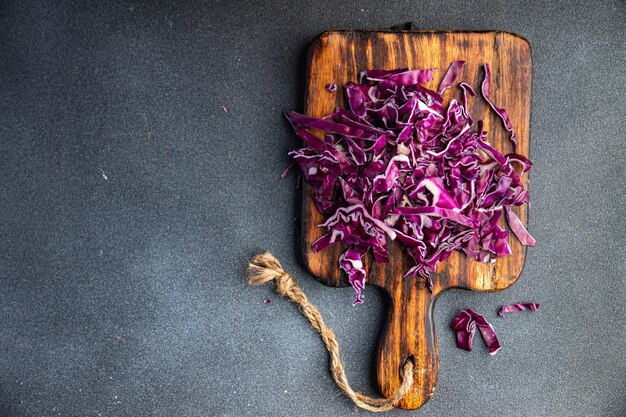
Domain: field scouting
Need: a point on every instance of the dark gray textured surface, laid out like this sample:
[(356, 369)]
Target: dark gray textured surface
[(131, 202)]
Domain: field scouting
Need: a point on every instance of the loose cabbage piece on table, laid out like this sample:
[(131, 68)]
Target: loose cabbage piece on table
[(397, 164), (518, 307), (465, 324), (465, 327)]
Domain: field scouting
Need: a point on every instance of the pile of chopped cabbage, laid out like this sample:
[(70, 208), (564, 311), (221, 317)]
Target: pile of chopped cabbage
[(396, 164)]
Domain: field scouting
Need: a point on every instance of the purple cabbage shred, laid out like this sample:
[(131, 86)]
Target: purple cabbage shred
[(518, 307), (453, 71), (465, 324), (286, 171), (465, 328)]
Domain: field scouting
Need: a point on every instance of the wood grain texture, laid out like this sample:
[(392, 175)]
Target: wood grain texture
[(338, 57)]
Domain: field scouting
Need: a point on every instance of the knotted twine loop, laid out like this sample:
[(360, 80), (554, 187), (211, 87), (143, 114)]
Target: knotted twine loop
[(265, 268)]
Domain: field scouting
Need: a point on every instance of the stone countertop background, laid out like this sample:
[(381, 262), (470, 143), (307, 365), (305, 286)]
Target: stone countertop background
[(131, 203)]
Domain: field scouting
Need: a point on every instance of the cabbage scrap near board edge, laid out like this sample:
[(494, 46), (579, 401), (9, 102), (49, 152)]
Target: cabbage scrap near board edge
[(465, 324), (397, 164)]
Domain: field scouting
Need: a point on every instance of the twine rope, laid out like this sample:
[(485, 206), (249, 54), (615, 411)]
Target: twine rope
[(265, 268)]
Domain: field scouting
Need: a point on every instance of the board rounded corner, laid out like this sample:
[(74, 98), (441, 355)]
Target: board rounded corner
[(323, 39), (518, 38)]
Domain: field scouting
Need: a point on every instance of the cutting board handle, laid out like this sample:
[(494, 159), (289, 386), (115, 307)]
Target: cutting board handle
[(409, 335)]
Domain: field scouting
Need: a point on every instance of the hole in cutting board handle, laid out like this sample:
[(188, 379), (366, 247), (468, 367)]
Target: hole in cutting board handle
[(408, 358)]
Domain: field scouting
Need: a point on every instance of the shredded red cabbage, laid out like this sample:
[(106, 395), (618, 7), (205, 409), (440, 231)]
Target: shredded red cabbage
[(486, 331), (331, 88), (518, 307), (396, 164), (465, 324), (450, 75), (486, 90), (350, 261), (465, 327), (286, 171)]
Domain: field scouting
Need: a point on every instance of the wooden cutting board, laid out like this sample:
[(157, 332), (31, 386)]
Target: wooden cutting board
[(338, 57)]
